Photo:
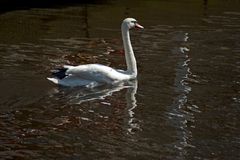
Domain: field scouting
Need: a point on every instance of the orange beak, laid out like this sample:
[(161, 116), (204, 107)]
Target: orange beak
[(138, 26)]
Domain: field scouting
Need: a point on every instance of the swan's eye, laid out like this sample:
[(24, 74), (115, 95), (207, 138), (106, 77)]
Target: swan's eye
[(134, 22)]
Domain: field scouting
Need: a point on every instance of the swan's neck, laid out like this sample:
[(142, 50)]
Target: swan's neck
[(129, 55)]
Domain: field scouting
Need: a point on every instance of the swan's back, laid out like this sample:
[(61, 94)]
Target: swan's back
[(97, 72)]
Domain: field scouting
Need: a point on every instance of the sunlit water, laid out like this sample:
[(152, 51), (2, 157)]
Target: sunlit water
[(184, 104)]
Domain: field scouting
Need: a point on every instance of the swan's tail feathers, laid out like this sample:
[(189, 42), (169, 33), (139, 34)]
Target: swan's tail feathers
[(59, 73), (54, 80)]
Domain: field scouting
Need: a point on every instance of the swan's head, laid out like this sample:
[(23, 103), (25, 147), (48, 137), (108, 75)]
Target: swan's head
[(130, 23)]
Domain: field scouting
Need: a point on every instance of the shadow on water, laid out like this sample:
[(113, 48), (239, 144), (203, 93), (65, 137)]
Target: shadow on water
[(11, 5), (86, 25), (205, 7)]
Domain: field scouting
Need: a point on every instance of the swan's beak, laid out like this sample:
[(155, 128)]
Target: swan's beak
[(138, 26)]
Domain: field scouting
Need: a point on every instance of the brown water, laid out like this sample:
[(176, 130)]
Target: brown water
[(185, 103)]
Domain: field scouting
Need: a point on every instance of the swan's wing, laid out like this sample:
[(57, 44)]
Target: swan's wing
[(94, 72), (65, 77), (91, 75)]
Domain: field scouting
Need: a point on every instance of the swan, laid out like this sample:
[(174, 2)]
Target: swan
[(91, 75)]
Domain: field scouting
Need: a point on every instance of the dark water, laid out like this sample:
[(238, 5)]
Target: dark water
[(184, 105)]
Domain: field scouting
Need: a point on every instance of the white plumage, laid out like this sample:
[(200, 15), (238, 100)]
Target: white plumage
[(91, 75)]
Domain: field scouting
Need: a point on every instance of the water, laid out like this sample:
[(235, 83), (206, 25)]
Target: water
[(184, 104)]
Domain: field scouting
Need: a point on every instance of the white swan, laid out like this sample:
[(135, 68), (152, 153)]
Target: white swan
[(92, 75)]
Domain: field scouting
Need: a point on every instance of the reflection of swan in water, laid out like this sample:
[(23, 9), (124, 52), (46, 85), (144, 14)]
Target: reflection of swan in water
[(80, 95), (131, 105)]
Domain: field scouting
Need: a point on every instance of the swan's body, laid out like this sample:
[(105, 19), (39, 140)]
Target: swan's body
[(96, 74)]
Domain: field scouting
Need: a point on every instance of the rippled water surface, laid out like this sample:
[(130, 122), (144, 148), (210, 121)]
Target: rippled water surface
[(185, 103)]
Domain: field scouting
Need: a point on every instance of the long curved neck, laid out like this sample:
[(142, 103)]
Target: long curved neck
[(129, 55)]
